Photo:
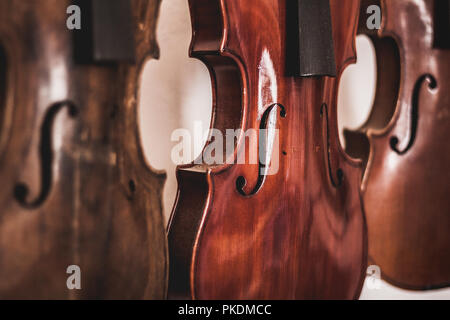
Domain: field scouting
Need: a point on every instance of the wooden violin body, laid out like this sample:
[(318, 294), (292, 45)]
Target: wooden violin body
[(75, 186), (298, 233), (405, 146)]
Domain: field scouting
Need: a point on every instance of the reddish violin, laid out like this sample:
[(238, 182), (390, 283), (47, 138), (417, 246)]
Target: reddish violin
[(241, 231), (75, 187), (404, 145)]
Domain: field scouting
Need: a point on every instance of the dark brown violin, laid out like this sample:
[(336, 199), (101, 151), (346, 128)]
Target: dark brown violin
[(295, 228), (75, 186), (405, 145)]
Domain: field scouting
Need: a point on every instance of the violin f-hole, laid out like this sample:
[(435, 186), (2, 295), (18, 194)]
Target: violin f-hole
[(339, 173), (394, 141), (21, 191), (241, 182)]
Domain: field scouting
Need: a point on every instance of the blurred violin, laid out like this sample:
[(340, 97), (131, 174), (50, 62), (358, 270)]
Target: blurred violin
[(290, 226), (404, 145), (75, 187)]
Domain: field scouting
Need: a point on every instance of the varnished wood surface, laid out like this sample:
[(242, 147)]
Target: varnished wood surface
[(101, 207), (302, 235), (406, 194)]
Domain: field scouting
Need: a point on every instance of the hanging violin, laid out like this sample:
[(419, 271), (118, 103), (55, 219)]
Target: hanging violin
[(290, 226), (76, 191), (404, 144)]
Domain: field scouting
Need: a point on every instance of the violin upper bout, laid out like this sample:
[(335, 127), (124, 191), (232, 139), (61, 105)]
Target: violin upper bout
[(344, 15), (146, 15)]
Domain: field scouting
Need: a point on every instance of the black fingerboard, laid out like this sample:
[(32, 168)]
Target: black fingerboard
[(442, 24), (310, 47), (106, 34)]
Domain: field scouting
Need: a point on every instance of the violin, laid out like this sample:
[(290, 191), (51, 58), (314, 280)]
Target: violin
[(76, 190), (404, 146), (291, 225)]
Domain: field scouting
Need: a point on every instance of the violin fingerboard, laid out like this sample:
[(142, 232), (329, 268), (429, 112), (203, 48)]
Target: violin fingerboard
[(310, 48), (107, 33), (442, 24)]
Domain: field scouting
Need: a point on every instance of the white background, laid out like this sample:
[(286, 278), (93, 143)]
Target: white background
[(176, 92)]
